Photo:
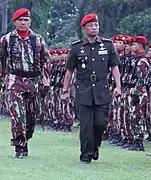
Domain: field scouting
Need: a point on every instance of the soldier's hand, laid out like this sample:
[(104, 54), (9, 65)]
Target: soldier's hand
[(135, 100), (64, 95), (117, 91), (44, 91)]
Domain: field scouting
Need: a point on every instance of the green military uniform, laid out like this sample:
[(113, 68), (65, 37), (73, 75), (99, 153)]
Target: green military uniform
[(92, 62)]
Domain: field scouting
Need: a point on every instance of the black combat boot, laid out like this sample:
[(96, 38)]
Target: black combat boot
[(18, 152), (122, 143), (148, 139), (25, 150), (96, 154), (138, 146)]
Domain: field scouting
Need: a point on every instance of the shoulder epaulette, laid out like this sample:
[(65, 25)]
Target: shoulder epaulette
[(76, 42), (105, 39)]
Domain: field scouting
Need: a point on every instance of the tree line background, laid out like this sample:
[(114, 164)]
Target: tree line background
[(59, 20)]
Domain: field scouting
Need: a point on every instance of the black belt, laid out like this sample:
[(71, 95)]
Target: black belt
[(27, 74), (91, 78)]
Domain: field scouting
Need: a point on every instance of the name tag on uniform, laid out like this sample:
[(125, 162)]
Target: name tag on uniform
[(102, 52)]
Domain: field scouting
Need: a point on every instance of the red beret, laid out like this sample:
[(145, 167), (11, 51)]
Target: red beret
[(89, 18), (21, 12), (128, 40), (58, 51), (51, 51), (139, 39), (113, 38), (55, 51), (120, 37)]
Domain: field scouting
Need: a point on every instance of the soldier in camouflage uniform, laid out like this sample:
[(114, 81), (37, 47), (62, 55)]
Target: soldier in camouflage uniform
[(148, 113), (138, 92), (58, 115), (125, 114), (115, 120), (24, 62)]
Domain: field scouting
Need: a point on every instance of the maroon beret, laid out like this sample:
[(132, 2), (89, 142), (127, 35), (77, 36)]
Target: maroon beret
[(128, 40), (21, 12), (139, 39), (89, 18)]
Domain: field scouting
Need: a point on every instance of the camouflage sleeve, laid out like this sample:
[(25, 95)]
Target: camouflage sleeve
[(142, 73), (46, 61), (3, 55)]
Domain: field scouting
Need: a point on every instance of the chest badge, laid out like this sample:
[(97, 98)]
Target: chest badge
[(101, 52), (102, 49), (83, 66)]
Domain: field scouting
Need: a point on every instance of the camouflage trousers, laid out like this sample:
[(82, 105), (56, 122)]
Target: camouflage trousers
[(127, 115), (58, 114), (148, 116), (23, 107), (137, 116)]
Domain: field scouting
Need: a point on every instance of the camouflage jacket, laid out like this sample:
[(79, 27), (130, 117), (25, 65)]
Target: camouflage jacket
[(23, 58), (142, 72)]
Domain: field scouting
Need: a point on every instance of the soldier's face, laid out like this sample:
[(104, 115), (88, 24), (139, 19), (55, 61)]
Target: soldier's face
[(91, 29), (149, 54), (23, 23), (119, 45), (128, 48), (136, 47)]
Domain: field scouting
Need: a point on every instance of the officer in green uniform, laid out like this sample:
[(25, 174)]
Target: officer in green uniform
[(92, 57)]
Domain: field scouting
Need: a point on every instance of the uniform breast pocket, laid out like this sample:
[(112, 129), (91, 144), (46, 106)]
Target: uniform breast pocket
[(104, 59)]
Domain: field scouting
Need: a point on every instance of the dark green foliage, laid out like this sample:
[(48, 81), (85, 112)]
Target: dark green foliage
[(116, 16)]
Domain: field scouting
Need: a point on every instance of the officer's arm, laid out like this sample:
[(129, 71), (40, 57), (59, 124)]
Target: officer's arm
[(45, 61), (67, 80), (70, 66), (113, 63), (116, 76)]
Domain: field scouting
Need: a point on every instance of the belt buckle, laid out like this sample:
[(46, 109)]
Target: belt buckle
[(93, 77)]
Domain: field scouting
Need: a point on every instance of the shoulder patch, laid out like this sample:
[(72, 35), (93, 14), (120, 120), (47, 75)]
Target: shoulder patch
[(105, 39), (76, 42)]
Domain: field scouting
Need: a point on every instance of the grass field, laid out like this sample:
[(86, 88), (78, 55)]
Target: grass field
[(55, 156)]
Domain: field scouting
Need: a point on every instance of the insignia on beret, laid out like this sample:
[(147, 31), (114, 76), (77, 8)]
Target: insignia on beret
[(117, 37), (123, 38), (134, 39)]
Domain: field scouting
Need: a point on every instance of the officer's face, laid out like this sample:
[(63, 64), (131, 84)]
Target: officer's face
[(91, 29), (23, 23)]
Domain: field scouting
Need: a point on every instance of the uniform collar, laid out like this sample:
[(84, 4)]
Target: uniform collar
[(140, 54), (86, 41), (15, 33)]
